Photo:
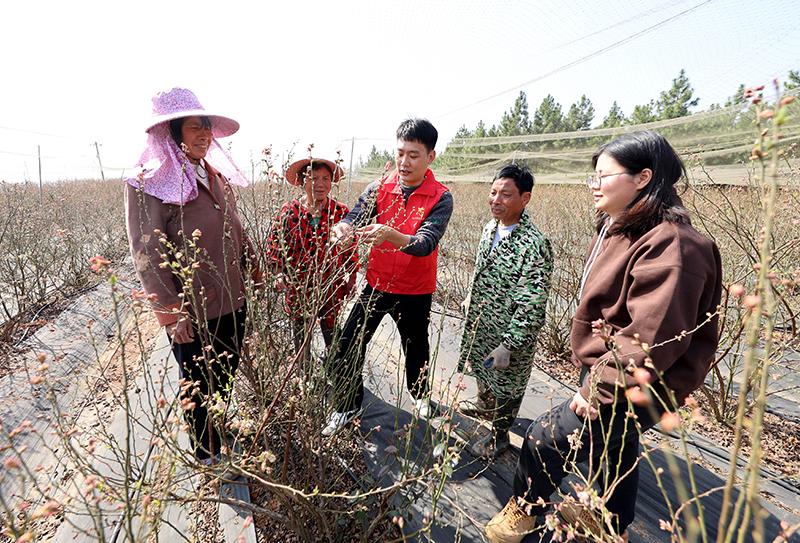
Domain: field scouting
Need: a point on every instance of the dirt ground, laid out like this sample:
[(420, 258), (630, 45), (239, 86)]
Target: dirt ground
[(780, 442)]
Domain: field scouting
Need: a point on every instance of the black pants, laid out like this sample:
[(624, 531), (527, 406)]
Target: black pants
[(411, 313), (305, 327), (546, 450), (214, 370), (502, 410)]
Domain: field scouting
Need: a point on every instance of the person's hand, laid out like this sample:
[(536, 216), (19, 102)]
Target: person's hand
[(374, 234), (340, 232), (181, 331), (582, 407), (465, 303), (500, 358)]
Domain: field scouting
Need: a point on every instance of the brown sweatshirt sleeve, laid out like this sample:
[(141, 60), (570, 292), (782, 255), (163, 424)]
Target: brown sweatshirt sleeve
[(144, 215), (666, 302)]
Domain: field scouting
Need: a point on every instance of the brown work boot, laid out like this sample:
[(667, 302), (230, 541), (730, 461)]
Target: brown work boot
[(510, 525), (587, 525), (490, 446), (475, 409)]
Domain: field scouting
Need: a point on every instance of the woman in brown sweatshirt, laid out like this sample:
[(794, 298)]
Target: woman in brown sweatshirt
[(644, 334), (190, 252)]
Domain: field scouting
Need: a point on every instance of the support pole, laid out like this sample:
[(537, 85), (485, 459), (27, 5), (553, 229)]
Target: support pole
[(350, 169), (39, 153), (252, 168), (97, 149)]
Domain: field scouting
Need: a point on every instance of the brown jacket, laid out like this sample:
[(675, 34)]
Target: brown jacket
[(662, 285), (215, 262)]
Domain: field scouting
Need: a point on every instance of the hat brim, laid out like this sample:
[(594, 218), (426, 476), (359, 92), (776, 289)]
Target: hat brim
[(294, 169), (221, 126)]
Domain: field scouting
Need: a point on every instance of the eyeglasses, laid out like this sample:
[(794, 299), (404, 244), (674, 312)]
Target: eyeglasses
[(597, 180)]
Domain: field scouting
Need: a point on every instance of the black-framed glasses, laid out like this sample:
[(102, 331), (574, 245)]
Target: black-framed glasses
[(597, 180)]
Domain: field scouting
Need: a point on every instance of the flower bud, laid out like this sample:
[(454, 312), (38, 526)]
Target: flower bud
[(751, 301), (670, 421), (736, 290), (637, 396)]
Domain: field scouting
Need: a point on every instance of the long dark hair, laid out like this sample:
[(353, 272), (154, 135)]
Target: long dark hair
[(659, 200)]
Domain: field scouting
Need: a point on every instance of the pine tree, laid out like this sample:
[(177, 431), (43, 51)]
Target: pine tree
[(580, 115), (792, 80), (738, 98), (676, 101), (462, 133), (479, 132), (614, 118), (515, 121), (548, 117), (643, 113), (377, 159)]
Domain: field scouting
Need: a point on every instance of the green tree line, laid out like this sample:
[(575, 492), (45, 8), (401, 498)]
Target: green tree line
[(678, 100)]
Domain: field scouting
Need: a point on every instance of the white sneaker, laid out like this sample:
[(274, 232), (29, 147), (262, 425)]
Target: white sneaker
[(422, 408), (339, 420)]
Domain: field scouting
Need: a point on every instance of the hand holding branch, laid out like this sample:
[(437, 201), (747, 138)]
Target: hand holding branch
[(582, 407), (341, 233), (375, 234), (181, 330)]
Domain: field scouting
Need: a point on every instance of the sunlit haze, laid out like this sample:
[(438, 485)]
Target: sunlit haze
[(76, 73)]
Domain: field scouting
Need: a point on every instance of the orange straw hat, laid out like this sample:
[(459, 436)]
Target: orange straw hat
[(296, 169)]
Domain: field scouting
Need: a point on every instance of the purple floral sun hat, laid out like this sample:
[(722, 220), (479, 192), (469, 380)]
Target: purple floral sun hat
[(176, 103), (163, 170)]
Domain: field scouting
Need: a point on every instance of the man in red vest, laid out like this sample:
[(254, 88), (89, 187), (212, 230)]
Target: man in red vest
[(403, 216)]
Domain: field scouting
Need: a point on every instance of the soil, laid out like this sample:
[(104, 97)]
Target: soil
[(343, 465), (15, 331), (780, 442), (205, 516)]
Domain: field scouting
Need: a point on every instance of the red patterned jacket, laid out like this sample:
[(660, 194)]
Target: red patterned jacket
[(315, 272)]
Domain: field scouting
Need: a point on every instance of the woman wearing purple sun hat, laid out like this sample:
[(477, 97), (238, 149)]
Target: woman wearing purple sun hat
[(191, 252)]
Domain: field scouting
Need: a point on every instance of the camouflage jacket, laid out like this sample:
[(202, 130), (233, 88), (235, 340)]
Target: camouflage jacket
[(508, 297)]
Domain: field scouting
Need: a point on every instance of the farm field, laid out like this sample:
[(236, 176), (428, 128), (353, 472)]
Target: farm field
[(94, 441), (651, 412), (55, 236)]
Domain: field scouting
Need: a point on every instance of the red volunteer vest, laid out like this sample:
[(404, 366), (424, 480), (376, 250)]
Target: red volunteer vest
[(389, 269)]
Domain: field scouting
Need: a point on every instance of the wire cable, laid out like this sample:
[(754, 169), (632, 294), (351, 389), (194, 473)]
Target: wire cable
[(582, 59)]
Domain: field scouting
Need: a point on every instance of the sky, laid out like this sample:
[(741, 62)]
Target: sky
[(337, 74)]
